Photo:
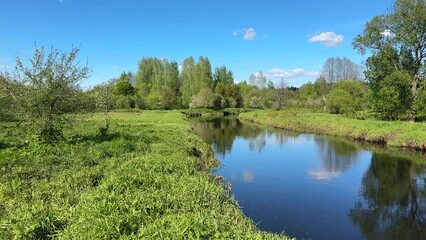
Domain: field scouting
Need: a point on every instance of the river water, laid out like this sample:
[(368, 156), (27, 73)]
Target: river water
[(319, 187)]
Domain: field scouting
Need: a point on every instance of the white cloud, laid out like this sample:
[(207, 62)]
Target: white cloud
[(248, 176), (295, 73), (388, 33), (239, 31), (329, 39), (250, 34), (115, 67), (323, 175)]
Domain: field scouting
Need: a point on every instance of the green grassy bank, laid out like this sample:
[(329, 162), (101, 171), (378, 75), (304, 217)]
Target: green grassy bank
[(148, 179), (396, 134)]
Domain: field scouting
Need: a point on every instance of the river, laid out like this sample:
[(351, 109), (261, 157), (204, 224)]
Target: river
[(319, 187)]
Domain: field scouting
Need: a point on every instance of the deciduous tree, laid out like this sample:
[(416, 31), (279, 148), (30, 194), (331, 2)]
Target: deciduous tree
[(44, 87)]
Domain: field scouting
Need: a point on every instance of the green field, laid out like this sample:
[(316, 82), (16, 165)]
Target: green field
[(396, 133), (148, 179)]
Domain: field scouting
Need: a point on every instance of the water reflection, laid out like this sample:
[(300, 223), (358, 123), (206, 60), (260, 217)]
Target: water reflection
[(319, 187), (336, 156), (394, 200), (221, 133)]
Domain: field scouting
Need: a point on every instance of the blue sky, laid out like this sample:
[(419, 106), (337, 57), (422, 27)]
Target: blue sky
[(288, 38)]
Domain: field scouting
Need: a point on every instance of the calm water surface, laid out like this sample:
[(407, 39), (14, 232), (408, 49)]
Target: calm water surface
[(318, 187)]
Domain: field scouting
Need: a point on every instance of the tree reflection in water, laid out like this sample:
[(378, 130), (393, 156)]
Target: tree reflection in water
[(394, 200), (336, 157), (222, 132)]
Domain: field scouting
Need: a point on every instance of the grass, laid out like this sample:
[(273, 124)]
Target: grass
[(148, 179), (393, 134)]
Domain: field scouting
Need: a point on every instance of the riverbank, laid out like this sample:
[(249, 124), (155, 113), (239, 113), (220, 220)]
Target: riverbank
[(394, 134), (214, 113), (148, 178)]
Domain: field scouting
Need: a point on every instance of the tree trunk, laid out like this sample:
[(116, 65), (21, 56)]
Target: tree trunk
[(325, 102), (414, 91)]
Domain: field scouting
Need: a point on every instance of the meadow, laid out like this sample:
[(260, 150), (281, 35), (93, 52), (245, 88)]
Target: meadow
[(148, 178)]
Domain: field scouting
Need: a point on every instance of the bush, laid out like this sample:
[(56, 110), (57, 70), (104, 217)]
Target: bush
[(206, 99), (42, 91), (340, 102)]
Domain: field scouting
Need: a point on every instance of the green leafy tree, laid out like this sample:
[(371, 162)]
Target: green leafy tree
[(206, 99), (308, 96), (394, 96), (188, 81), (222, 75), (203, 74), (403, 28), (171, 90), (123, 86), (153, 79), (4, 106), (346, 97), (322, 87), (45, 88), (104, 102)]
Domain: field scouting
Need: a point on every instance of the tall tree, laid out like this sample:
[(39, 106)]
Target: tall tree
[(281, 92), (203, 74), (322, 87), (258, 79), (336, 68), (222, 75), (187, 79), (403, 29)]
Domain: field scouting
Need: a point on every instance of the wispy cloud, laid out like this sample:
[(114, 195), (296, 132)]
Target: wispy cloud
[(329, 39), (115, 67), (294, 73), (323, 175), (249, 34)]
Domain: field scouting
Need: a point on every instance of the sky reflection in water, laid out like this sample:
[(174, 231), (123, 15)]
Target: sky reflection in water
[(318, 187)]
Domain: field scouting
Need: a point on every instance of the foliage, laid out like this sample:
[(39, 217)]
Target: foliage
[(222, 75), (340, 102), (258, 80), (154, 76), (400, 33), (206, 99), (42, 91), (123, 86), (394, 97), (5, 108)]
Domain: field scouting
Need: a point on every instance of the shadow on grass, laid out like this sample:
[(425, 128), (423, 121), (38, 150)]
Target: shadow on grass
[(5, 145), (99, 138)]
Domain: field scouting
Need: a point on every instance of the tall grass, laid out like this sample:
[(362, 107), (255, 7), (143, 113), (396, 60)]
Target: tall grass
[(148, 179)]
